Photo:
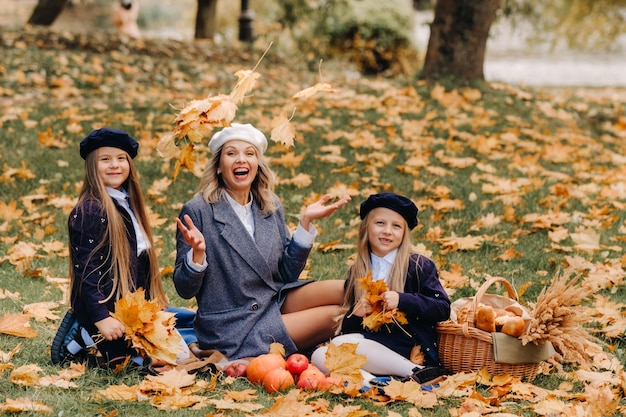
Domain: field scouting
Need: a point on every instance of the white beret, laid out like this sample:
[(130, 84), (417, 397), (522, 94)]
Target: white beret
[(238, 131)]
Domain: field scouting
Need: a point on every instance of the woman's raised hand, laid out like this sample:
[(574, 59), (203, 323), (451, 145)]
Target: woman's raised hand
[(318, 210), (193, 237)]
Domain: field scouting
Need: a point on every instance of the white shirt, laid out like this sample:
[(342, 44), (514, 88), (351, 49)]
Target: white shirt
[(381, 267), (122, 199)]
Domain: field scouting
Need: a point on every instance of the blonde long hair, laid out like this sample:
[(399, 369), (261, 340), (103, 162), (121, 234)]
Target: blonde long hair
[(115, 236), (212, 186), (363, 264)]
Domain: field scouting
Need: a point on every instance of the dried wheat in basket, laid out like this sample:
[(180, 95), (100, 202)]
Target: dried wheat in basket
[(464, 348)]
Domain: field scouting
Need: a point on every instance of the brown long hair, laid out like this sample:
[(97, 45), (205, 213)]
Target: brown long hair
[(212, 186), (115, 237), (363, 264)]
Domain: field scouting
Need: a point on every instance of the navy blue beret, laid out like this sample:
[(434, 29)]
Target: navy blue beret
[(108, 137), (400, 204)]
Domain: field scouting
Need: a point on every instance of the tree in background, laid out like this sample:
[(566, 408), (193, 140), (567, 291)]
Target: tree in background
[(460, 29), (46, 12), (458, 38), (206, 17)]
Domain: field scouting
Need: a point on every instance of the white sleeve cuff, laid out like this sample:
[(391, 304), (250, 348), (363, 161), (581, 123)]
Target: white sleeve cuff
[(196, 267), (304, 237)]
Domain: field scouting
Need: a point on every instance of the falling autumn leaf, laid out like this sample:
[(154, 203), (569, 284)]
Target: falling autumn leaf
[(247, 81), (311, 91), (282, 130)]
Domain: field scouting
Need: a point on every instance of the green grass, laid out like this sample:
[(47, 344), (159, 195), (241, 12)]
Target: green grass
[(141, 90)]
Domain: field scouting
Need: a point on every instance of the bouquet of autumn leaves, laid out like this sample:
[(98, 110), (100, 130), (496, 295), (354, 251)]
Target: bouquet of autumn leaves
[(149, 328), (379, 316)]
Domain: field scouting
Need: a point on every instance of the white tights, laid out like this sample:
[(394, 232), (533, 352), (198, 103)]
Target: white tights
[(380, 359)]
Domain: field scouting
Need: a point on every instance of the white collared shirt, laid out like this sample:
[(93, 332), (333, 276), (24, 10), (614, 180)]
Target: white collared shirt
[(122, 199), (381, 267), (244, 212)]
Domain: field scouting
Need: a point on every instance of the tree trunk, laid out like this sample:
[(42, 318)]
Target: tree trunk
[(458, 38), (206, 19), (46, 12)]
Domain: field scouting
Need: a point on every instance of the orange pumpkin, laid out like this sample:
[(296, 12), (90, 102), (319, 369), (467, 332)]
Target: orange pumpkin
[(262, 364), (277, 380)]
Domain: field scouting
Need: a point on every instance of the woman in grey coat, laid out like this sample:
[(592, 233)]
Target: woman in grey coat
[(236, 256)]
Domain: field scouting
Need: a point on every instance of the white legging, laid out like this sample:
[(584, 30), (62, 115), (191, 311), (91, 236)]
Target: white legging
[(380, 359)]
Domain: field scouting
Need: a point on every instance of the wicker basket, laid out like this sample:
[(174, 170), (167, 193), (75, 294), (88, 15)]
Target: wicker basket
[(464, 348)]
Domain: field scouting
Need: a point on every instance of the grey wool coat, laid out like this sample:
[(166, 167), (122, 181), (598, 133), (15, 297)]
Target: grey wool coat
[(241, 291)]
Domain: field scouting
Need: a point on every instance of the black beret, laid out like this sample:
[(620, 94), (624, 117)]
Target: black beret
[(108, 137), (400, 204)]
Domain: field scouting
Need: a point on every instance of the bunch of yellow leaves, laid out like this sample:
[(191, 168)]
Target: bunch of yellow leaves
[(149, 328), (379, 316)]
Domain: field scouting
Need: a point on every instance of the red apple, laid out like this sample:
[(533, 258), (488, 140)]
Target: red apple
[(296, 363), (236, 369), (310, 378), (329, 382)]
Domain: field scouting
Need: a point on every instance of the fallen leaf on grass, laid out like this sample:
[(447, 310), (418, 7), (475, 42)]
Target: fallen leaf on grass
[(7, 356), (17, 325), (411, 392), (23, 404), (27, 375), (232, 405), (42, 311)]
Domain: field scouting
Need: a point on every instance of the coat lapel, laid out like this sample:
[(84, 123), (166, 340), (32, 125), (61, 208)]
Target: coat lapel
[(236, 235)]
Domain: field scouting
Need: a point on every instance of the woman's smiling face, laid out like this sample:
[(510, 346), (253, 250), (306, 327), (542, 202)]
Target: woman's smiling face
[(239, 165)]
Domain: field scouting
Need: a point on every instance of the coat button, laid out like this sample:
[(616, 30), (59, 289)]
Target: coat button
[(254, 307)]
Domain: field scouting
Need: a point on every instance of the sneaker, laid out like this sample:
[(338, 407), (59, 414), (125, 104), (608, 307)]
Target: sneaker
[(424, 375), (64, 335)]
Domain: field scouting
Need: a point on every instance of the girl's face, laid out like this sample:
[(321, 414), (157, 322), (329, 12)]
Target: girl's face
[(385, 230), (239, 165), (113, 166)]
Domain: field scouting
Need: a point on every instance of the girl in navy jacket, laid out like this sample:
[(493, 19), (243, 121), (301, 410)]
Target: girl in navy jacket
[(412, 280)]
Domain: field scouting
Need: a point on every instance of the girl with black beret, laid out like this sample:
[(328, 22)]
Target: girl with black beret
[(111, 251), (412, 280)]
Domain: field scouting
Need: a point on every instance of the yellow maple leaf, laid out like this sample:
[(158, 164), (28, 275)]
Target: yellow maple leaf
[(282, 130), (185, 159), (23, 404), (461, 243), (42, 311), (117, 393), (586, 240), (453, 278), (379, 316), (167, 146), (311, 91), (412, 392), (17, 325), (277, 348), (247, 81), (149, 328), (10, 211), (7, 356), (26, 375), (344, 363), (47, 139)]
